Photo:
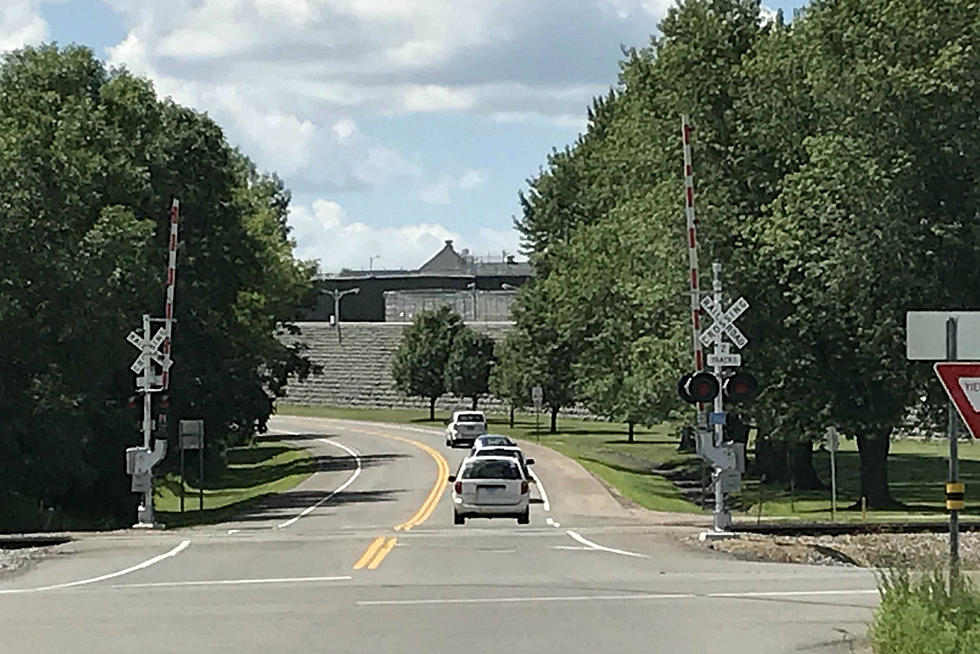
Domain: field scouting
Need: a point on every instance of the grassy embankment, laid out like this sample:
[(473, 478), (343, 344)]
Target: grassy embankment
[(917, 470), (265, 468)]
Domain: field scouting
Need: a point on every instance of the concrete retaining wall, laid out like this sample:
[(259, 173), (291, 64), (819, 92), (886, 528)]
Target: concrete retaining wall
[(357, 371)]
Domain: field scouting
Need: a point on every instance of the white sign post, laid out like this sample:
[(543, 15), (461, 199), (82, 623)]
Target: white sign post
[(832, 439), (537, 397)]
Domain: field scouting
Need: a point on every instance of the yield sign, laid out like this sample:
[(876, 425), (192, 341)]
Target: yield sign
[(962, 384), (724, 322)]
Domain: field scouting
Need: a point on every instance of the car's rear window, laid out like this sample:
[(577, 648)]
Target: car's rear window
[(469, 417), (495, 440), (496, 451), (491, 469)]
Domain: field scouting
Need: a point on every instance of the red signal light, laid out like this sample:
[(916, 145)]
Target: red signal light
[(740, 387), (699, 387)]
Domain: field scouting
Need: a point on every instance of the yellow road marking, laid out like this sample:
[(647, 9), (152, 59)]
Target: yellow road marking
[(369, 553), (382, 553), (429, 505), (432, 499), (379, 548)]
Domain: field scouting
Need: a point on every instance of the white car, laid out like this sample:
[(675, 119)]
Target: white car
[(465, 427), (491, 487), (511, 451)]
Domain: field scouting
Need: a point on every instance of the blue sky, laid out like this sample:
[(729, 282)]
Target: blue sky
[(396, 123)]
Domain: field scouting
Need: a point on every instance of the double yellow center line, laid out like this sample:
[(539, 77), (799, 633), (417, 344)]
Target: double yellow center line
[(381, 546), (375, 553)]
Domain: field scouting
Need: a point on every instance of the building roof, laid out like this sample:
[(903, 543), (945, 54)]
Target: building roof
[(448, 263), (446, 260)]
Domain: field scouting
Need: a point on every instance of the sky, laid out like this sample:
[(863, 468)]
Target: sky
[(396, 124)]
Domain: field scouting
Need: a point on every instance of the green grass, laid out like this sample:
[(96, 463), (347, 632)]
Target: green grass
[(265, 468), (917, 469), (917, 473)]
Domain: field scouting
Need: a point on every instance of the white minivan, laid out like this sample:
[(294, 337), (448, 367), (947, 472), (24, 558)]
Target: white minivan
[(491, 487)]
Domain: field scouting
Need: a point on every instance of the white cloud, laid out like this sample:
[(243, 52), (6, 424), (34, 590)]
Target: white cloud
[(288, 80), (21, 24), (431, 97), (381, 164), (471, 179), (344, 128), (437, 193), (324, 233)]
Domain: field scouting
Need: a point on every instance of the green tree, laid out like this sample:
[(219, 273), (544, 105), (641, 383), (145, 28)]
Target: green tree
[(90, 162), (507, 380), (540, 355), (469, 363), (419, 368)]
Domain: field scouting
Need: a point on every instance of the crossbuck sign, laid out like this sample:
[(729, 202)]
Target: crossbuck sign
[(149, 351), (724, 322)]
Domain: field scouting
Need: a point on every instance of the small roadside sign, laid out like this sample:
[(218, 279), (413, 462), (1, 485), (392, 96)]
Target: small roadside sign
[(191, 434), (725, 360), (537, 397), (962, 383), (717, 418), (925, 333)]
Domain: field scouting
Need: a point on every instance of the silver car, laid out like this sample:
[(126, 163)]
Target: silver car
[(491, 487)]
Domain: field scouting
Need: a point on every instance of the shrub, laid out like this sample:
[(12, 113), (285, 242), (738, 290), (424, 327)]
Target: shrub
[(920, 614)]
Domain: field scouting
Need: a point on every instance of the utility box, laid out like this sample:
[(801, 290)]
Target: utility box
[(142, 483), (138, 460)]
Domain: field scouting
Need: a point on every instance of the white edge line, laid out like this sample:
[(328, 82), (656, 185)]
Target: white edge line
[(350, 480), (139, 566), (597, 546), (795, 593), (588, 598), (233, 582), (516, 600), (544, 495)]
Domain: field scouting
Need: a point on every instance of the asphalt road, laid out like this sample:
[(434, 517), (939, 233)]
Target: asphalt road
[(363, 557)]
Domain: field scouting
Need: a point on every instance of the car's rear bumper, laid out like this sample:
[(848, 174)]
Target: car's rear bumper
[(489, 510)]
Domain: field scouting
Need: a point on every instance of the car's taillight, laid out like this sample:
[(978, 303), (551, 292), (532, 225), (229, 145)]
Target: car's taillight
[(458, 488), (524, 487)]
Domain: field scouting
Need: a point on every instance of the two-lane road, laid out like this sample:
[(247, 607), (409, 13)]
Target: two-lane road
[(363, 557)]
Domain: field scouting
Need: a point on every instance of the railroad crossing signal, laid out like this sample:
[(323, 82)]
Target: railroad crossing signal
[(149, 350), (724, 322)]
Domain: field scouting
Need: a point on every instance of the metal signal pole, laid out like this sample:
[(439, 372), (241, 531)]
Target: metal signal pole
[(954, 468)]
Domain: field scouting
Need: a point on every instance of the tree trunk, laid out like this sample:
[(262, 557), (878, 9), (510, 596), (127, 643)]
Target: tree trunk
[(874, 470), (802, 473), (474, 403), (779, 461), (511, 416), (432, 408), (629, 436), (554, 419)]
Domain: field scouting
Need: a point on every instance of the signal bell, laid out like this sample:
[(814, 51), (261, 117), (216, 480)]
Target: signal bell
[(698, 387), (740, 387)]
